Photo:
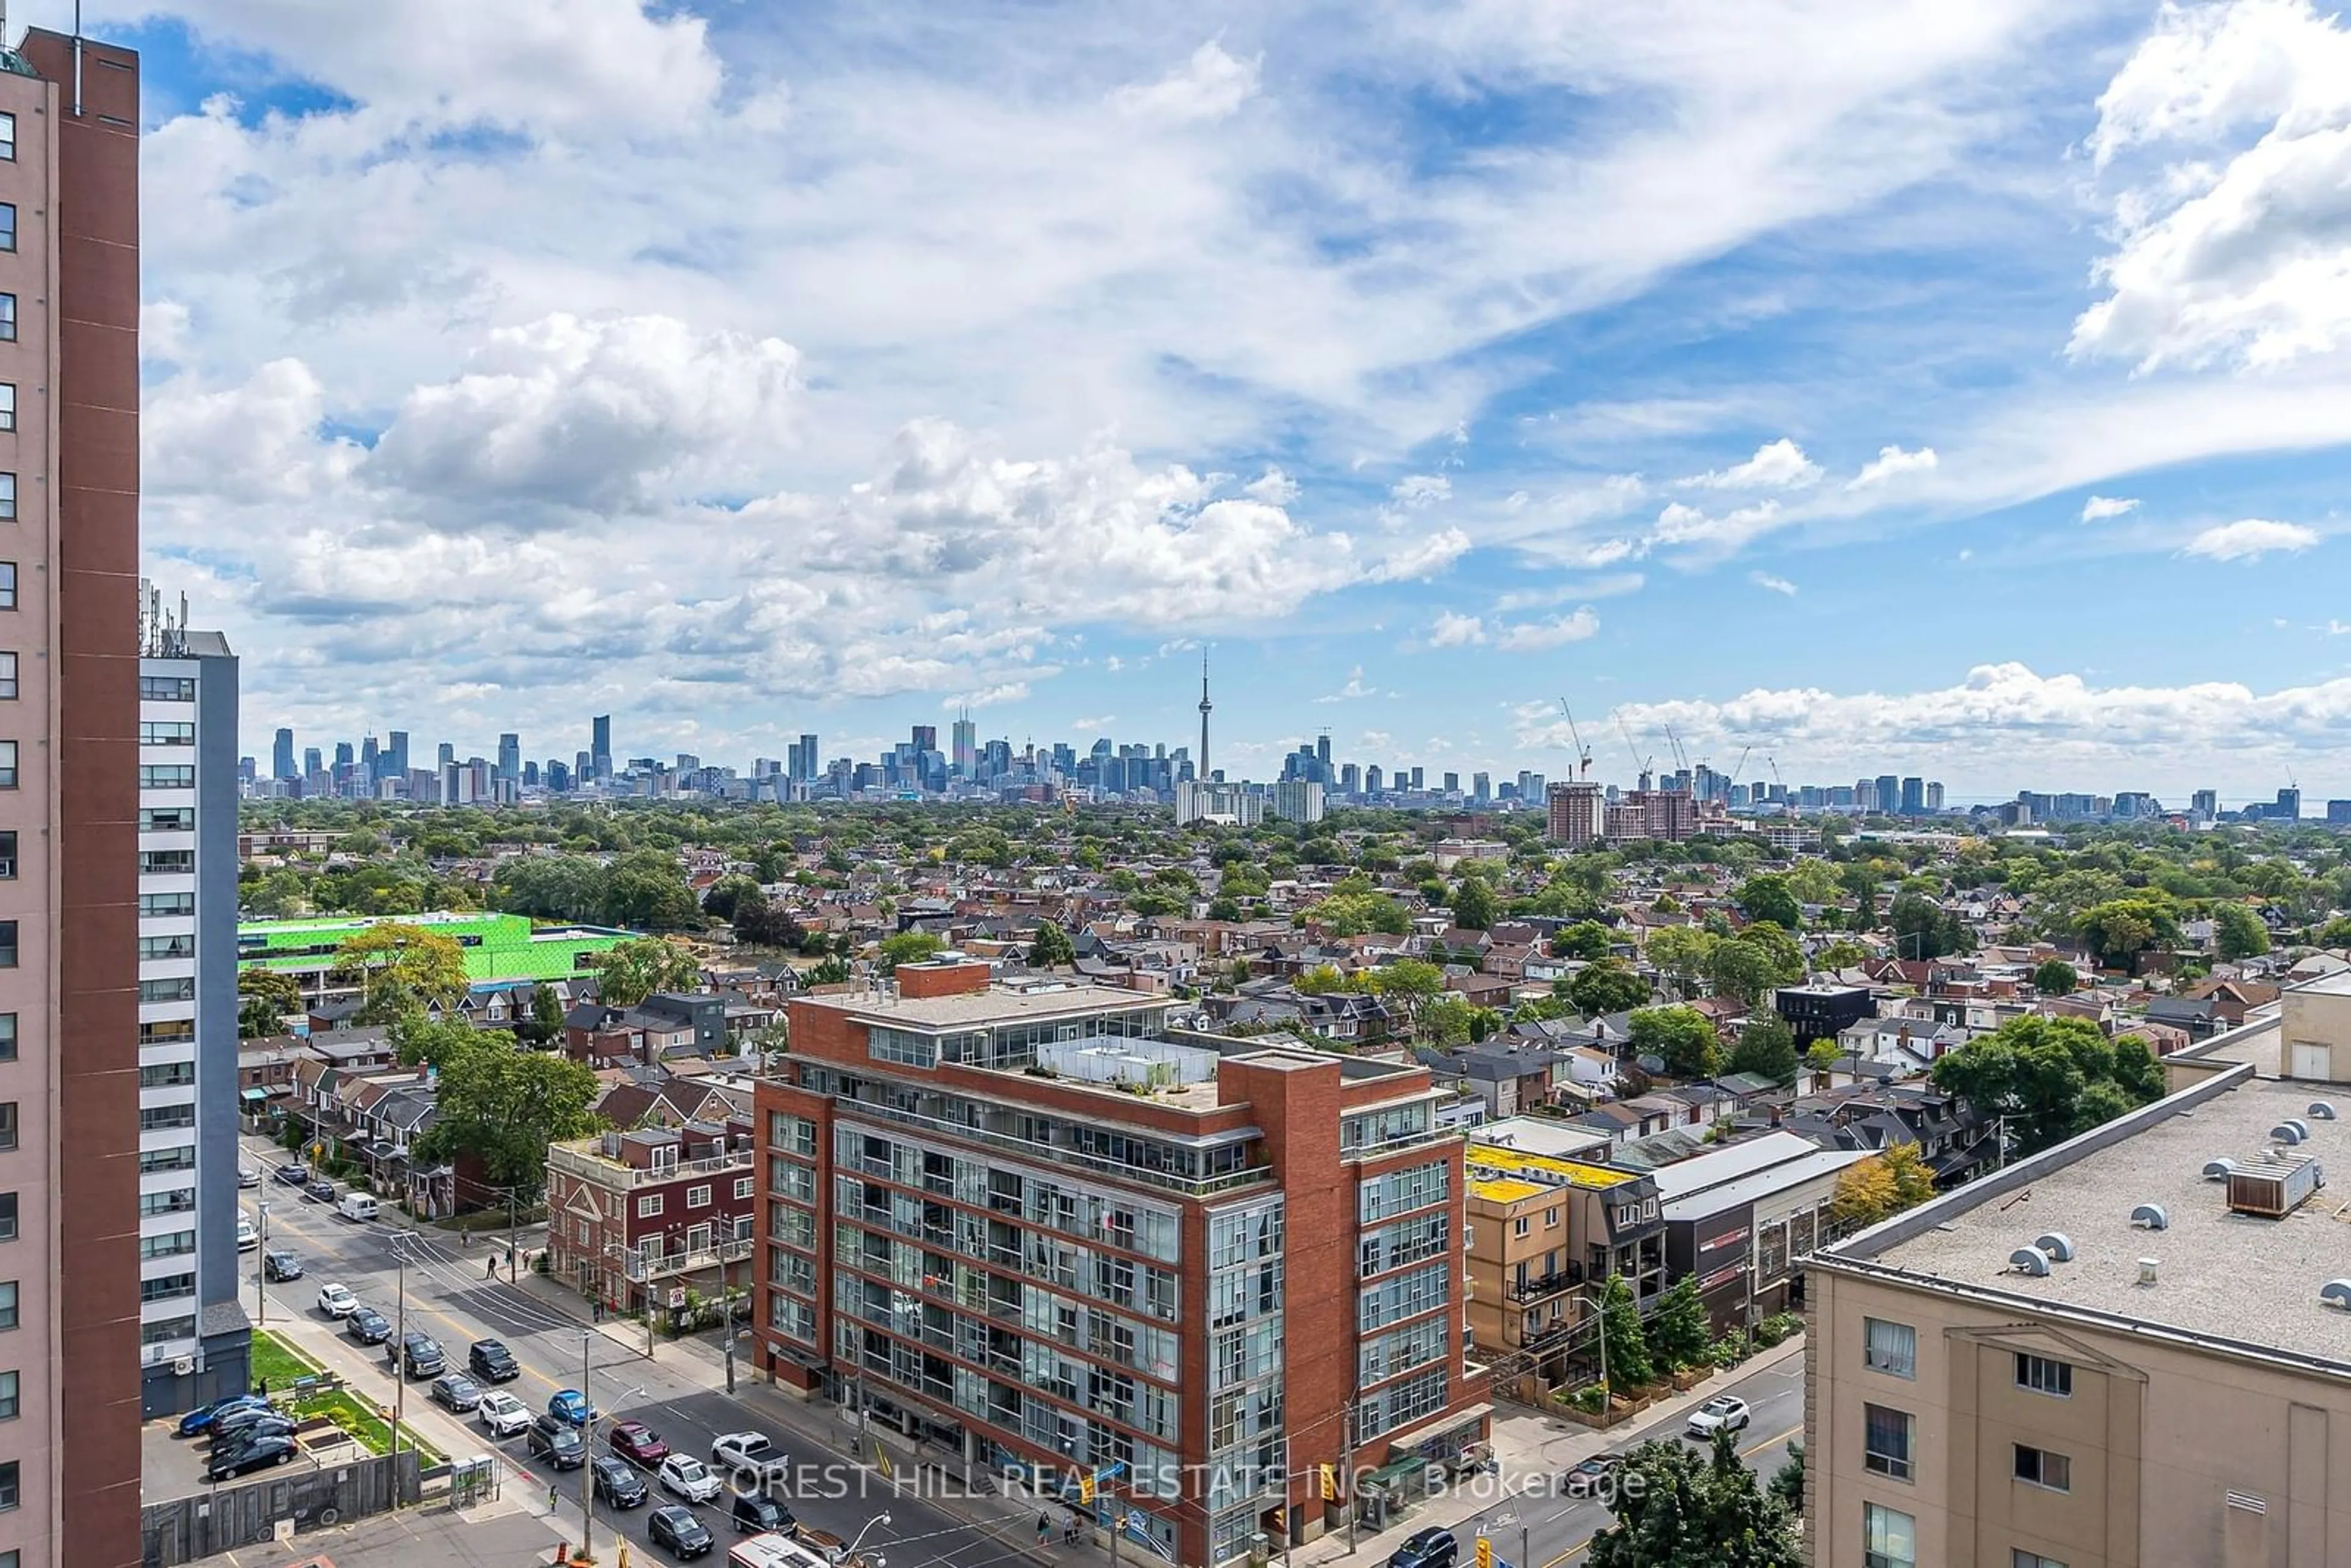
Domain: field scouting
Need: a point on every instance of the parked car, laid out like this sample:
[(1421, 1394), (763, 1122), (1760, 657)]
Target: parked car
[(1432, 1548), (492, 1362), (556, 1442), (1724, 1413), (320, 1191), (239, 1426), (419, 1356), (676, 1529), (293, 1174), (456, 1391), (336, 1301), (683, 1475), (637, 1443), (368, 1326), (743, 1450), (616, 1482), (262, 1452), (247, 1176), (278, 1265), (202, 1417), (757, 1515), (357, 1205), (247, 1238), (571, 1404), (503, 1414)]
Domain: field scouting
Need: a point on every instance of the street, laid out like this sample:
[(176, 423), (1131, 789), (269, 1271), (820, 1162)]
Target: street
[(1557, 1528), (676, 1391)]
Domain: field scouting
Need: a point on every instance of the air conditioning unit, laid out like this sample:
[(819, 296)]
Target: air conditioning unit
[(185, 1366)]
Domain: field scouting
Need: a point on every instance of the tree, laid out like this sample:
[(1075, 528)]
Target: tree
[(2335, 933), (631, 971), (2120, 929), (1680, 1330), (647, 892), (1606, 986), (506, 1106), (2056, 978), (832, 970), (546, 1019), (1923, 929), (759, 924), (1052, 947), (2238, 933), (1444, 1020), (1787, 1483), (1766, 1046), (1681, 1037), (402, 969), (1473, 903), (1410, 986), (1881, 1187), (1748, 966), (1624, 1348), (1584, 939), (2051, 1078), (264, 998), (1682, 954), (908, 947), (1676, 1507), (1842, 954), (1768, 897), (726, 894), (1319, 980)]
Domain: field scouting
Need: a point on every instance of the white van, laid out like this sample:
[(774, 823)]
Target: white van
[(773, 1552), (247, 1238), (357, 1206)]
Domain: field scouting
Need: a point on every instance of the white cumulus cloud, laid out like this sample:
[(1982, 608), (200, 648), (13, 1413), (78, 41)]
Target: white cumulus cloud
[(1777, 466), (1212, 85), (1891, 463), (2098, 508), (1453, 631), (1764, 579), (2250, 539), (1353, 690), (1555, 632)]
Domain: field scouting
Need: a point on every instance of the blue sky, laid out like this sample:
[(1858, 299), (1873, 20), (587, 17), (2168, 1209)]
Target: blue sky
[(1883, 386)]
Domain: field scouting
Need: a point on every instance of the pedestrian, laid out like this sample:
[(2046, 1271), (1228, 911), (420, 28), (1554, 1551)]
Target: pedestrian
[(554, 1496), (1070, 1530), (264, 1389), (1044, 1530), (490, 1270)]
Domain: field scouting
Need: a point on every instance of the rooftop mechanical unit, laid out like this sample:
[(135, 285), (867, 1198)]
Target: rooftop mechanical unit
[(2274, 1185)]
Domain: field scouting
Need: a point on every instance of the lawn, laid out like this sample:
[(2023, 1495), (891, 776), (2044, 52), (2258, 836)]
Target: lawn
[(284, 1366)]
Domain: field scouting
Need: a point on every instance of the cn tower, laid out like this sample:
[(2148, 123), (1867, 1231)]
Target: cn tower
[(1205, 705)]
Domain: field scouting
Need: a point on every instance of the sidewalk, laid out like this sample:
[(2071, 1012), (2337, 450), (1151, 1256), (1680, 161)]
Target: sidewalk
[(1530, 1449)]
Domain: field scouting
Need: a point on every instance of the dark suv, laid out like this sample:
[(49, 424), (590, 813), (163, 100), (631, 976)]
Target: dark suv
[(492, 1362), (617, 1483), (556, 1442), (1432, 1548)]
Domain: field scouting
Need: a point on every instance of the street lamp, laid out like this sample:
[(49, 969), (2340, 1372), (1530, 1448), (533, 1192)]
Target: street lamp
[(261, 1270), (850, 1555)]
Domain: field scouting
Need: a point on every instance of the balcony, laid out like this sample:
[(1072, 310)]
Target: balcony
[(1533, 1289), (589, 1164), (640, 1267)]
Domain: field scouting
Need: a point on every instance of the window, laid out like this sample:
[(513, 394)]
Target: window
[(175, 1200), (165, 1329), (1885, 1441), (182, 945), (160, 1075), (167, 688), (697, 1198), (160, 732), (7, 318), (159, 1118), (1519, 1225), (7, 943), (167, 862), (10, 1493), (2042, 1375), (7, 661), (181, 1157), (1888, 1539), (167, 820), (2020, 1558), (7, 226), (743, 1187), (8, 765), (8, 1036), (179, 988), (7, 1304), (166, 1288), (9, 137), (170, 1244), (1890, 1347), (8, 1123), (7, 1217), (7, 1396), (9, 502), (167, 776), (7, 856), (8, 421), (2044, 1469), (649, 1206), (167, 903)]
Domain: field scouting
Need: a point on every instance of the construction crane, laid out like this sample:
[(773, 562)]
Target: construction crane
[(1681, 758), (1583, 752), (1640, 763), (1731, 781)]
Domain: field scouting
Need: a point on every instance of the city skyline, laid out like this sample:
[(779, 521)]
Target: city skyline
[(1927, 341)]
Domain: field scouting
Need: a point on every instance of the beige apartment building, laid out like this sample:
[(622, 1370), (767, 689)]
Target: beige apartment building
[(1540, 1228), (2134, 1348)]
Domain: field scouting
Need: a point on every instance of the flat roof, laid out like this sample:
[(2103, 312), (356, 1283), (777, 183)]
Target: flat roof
[(1568, 1173), (2248, 1283), (995, 1005), (1505, 1189), (1730, 1163), (1760, 1185), (1551, 1136)]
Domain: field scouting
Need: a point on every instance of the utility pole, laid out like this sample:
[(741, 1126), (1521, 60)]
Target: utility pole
[(511, 1242), (729, 1293), (587, 1431), (261, 1272), (399, 1372), (1348, 1439)]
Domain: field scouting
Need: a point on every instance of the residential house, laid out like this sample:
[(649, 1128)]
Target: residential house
[(637, 1219)]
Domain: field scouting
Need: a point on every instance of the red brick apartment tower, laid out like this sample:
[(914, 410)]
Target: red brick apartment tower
[(1030, 1222), (69, 517)]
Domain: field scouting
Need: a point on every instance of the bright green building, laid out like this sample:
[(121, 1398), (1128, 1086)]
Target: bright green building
[(499, 948)]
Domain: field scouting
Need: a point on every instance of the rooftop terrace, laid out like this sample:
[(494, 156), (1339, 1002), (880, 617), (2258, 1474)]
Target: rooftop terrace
[(1543, 1170)]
